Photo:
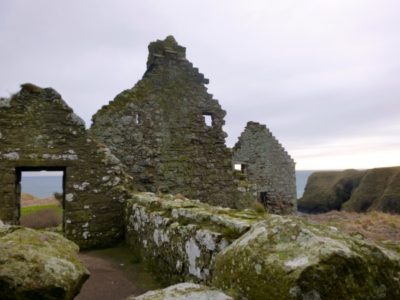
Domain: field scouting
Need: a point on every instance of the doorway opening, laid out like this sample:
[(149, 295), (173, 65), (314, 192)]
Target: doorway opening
[(40, 196), (263, 198)]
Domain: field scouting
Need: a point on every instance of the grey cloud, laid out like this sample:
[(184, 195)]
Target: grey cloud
[(314, 71)]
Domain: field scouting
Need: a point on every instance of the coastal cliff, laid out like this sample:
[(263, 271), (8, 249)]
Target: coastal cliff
[(352, 190)]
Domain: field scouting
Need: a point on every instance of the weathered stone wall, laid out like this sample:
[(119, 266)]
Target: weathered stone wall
[(253, 255), (268, 166), (157, 129), (179, 238), (39, 130)]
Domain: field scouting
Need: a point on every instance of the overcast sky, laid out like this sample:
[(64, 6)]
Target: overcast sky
[(323, 75)]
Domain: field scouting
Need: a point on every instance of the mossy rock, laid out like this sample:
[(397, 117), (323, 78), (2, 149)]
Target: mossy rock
[(184, 291), (38, 265), (288, 258)]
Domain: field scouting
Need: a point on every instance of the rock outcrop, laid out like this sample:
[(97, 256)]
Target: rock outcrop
[(184, 291), (38, 265), (168, 131), (287, 258), (352, 190)]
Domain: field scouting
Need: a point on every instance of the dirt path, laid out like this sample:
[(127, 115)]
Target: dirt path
[(113, 276)]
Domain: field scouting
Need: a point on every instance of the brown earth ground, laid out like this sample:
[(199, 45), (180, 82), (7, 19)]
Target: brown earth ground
[(114, 275)]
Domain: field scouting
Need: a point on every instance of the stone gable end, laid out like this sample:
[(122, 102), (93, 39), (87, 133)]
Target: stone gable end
[(39, 131), (168, 131)]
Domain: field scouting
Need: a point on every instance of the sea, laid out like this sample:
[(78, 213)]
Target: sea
[(41, 186), (46, 186)]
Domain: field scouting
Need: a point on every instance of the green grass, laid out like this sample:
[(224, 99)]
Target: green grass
[(41, 216), (29, 210)]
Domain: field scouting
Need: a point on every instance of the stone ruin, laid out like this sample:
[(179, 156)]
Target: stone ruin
[(39, 131), (246, 252), (270, 169), (167, 130)]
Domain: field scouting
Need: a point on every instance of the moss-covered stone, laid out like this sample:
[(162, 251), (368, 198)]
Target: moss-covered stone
[(39, 131), (157, 129), (268, 167), (38, 265), (287, 258), (184, 291), (179, 238)]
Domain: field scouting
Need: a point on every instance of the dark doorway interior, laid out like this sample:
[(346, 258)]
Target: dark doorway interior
[(40, 196), (263, 198)]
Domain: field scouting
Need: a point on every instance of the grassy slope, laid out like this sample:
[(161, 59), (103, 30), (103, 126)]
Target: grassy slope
[(351, 190), (328, 190), (29, 210), (41, 216), (379, 190)]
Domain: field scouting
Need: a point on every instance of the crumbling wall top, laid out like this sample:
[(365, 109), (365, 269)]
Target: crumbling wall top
[(167, 48)]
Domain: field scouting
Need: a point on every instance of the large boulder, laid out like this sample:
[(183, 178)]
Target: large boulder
[(38, 265), (184, 291), (289, 258)]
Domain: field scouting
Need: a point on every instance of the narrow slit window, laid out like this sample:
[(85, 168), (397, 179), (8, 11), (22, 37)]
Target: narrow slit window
[(137, 119), (208, 120)]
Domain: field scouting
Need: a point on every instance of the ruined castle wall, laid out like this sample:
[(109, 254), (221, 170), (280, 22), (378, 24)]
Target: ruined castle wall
[(38, 130), (158, 130), (251, 255), (268, 166), (180, 238)]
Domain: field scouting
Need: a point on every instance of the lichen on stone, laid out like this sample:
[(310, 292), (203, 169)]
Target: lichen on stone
[(38, 265), (157, 129), (288, 258), (187, 234), (181, 291), (40, 132)]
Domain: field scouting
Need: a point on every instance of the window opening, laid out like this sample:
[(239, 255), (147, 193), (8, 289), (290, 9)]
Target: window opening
[(208, 120), (240, 167), (137, 119)]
